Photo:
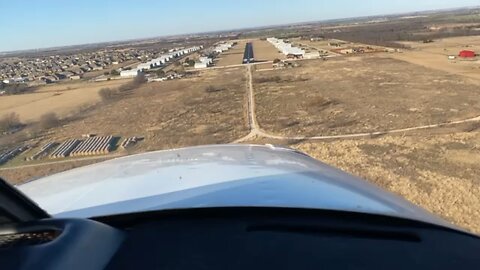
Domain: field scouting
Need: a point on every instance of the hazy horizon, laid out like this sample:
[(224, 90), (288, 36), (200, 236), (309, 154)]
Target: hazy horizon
[(76, 29)]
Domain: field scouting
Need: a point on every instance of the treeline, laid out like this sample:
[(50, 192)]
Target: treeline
[(109, 94), (15, 88), (10, 122), (387, 34)]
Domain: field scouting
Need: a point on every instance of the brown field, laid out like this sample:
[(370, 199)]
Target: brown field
[(173, 113), (360, 94), (437, 172), (234, 56), (321, 45), (63, 99), (435, 55), (264, 51)]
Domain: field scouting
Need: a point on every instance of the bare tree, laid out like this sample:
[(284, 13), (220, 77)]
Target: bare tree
[(108, 94)]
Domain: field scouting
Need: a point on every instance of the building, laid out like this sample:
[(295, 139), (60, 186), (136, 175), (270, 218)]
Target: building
[(287, 48), (203, 62), (466, 54), (129, 73), (312, 55), (144, 66), (200, 65)]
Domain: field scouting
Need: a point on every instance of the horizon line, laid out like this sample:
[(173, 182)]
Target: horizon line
[(233, 30)]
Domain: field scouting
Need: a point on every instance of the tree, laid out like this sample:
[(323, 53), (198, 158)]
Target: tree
[(107, 94), (114, 72), (276, 60), (160, 73), (48, 120), (140, 79), (190, 63)]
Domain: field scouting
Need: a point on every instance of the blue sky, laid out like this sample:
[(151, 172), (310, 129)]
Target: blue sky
[(27, 24)]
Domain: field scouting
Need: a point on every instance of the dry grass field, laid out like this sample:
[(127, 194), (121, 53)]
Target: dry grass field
[(437, 172), (172, 113), (435, 55), (320, 45), (360, 94), (63, 99), (234, 56), (264, 51)]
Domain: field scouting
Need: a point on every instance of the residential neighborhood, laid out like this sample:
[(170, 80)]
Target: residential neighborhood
[(54, 68)]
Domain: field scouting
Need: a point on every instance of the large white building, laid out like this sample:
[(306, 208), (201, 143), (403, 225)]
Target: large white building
[(223, 47), (144, 66), (286, 48)]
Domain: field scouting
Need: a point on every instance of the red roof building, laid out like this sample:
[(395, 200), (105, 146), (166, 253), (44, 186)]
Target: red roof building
[(466, 54)]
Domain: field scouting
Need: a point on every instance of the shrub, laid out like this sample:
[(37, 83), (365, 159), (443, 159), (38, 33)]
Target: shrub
[(268, 79), (212, 89), (9, 121)]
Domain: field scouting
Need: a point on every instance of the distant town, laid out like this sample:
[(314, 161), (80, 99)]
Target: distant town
[(50, 69)]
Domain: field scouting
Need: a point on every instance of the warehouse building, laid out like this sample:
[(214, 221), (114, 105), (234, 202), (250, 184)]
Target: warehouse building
[(287, 48), (129, 73)]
